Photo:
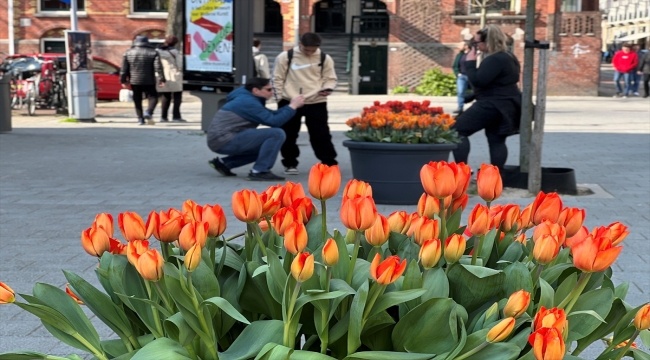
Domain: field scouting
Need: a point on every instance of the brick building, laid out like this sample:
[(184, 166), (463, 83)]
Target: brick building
[(377, 45)]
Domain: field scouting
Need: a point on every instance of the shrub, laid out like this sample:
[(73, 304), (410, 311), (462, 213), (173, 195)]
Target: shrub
[(437, 83)]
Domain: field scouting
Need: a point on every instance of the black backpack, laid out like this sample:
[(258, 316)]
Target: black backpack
[(290, 57)]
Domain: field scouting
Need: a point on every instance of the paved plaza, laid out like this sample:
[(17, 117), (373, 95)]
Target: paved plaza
[(55, 176)]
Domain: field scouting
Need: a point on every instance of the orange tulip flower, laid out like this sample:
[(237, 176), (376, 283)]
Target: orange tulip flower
[(488, 182), (283, 218), (478, 222), (642, 318), (428, 206), (550, 318), (195, 232), (117, 248), (105, 221), (304, 209), (7, 295), (193, 257), (170, 230), (169, 214), (580, 236), (134, 249), (526, 218), (454, 248), (150, 265), (388, 271), (430, 253), (547, 344), (595, 254), (132, 226), (438, 179), (501, 331), (517, 304), (546, 248), (192, 211), (302, 267), (571, 219), (324, 181), (615, 231), (462, 174), (295, 237), (72, 295), (459, 203), (216, 219), (271, 200), (152, 224), (358, 213), (509, 217), (264, 226), (399, 221), (95, 241), (550, 228), (292, 191), (416, 221), (521, 238), (356, 187), (379, 232), (546, 207), (428, 229), (330, 253), (247, 205)]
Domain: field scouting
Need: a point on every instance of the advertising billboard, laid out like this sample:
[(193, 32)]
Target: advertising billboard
[(77, 44), (209, 35)]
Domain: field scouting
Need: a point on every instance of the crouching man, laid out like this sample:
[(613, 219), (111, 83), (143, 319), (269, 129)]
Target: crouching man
[(234, 132)]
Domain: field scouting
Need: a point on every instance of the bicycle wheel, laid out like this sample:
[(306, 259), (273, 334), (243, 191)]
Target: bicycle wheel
[(31, 102)]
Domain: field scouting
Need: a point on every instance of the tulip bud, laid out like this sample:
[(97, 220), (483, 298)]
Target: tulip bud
[(191, 211), (153, 224), (330, 253), (571, 219), (430, 253), (193, 257), (7, 295), (478, 222), (459, 203), (501, 331), (438, 179), (594, 254), (292, 191), (454, 248), (358, 213), (270, 204), (388, 271), (247, 205), (72, 295), (216, 219), (526, 218), (302, 267), (550, 318), (488, 182), (379, 232), (132, 226), (510, 217), (264, 225), (105, 221), (356, 187), (517, 304), (324, 181), (549, 228), (428, 229), (546, 207), (428, 206), (194, 232), (95, 241), (135, 249), (283, 218), (295, 237), (399, 222), (548, 344), (642, 318), (462, 174), (546, 249), (304, 209), (170, 230), (416, 221), (150, 265)]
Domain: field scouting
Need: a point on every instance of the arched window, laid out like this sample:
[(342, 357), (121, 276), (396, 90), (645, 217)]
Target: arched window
[(53, 41)]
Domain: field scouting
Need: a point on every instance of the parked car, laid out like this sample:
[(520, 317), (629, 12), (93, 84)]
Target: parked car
[(106, 74)]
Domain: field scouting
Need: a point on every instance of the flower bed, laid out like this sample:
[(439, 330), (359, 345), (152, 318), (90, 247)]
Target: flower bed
[(512, 283)]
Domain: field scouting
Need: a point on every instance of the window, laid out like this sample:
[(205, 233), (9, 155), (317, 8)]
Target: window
[(104, 67), (493, 6), (58, 5), (150, 5), (53, 46), (571, 6)]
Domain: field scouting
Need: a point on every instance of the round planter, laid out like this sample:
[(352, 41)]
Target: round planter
[(559, 180), (393, 170)]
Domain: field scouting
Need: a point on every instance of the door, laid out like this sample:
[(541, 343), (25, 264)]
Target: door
[(272, 17), (373, 69), (330, 16), (107, 79)]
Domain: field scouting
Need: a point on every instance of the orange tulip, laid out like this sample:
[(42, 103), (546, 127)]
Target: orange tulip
[(430, 253), (428, 206), (72, 295), (169, 214), (358, 213), (547, 344), (388, 271), (216, 219), (170, 230), (191, 211), (330, 253), (283, 218), (595, 254), (438, 179), (95, 241), (454, 248), (642, 318), (571, 219), (117, 248), (195, 232), (105, 221), (247, 205), (270, 205), (379, 232), (501, 331), (302, 267), (152, 224), (428, 229), (478, 222), (356, 187), (459, 203), (193, 257), (132, 226), (509, 217), (526, 218), (488, 182), (399, 222), (550, 228), (521, 238), (617, 232), (292, 191), (550, 318), (580, 236), (462, 174), (416, 221), (135, 249), (304, 208), (324, 181), (150, 265), (517, 304), (546, 248), (7, 295), (264, 226), (546, 207), (295, 237)]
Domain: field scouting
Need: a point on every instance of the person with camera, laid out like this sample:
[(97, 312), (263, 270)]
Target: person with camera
[(498, 100)]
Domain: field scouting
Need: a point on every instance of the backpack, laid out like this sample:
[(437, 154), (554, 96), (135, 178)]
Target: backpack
[(290, 57)]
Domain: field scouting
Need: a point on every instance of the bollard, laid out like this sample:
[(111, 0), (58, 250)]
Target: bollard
[(5, 103)]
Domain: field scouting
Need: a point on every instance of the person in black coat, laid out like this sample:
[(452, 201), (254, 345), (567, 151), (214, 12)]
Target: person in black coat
[(498, 100)]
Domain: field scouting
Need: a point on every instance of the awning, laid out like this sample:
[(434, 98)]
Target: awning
[(633, 37)]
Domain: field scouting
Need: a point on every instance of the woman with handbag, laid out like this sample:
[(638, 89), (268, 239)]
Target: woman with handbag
[(172, 62)]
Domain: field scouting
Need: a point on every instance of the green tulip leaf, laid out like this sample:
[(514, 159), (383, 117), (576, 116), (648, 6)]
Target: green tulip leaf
[(615, 315), (315, 232), (233, 260), (512, 253), (583, 324), (429, 320), (387, 300), (29, 355), (226, 307), (309, 355), (146, 301), (388, 355), (436, 284), (356, 317), (162, 349), (376, 334), (253, 339), (461, 343), (645, 337), (205, 282), (412, 280), (639, 354), (260, 270), (276, 276), (361, 273), (497, 351), (473, 286), (550, 274), (621, 290), (547, 295), (274, 352), (179, 330), (517, 277), (340, 271), (626, 320), (255, 296), (565, 288), (488, 245)]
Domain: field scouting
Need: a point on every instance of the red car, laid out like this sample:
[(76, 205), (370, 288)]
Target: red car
[(106, 74)]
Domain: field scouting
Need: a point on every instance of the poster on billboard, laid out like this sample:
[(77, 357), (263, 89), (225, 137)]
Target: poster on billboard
[(77, 47), (208, 35)]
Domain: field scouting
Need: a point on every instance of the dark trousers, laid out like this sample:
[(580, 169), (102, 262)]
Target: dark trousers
[(167, 100), (319, 134), (477, 118), (646, 84), (152, 98)]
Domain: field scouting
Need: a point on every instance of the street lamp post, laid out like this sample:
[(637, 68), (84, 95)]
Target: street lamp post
[(80, 83)]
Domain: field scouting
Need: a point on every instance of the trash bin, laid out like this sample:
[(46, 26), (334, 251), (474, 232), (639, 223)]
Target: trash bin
[(5, 103)]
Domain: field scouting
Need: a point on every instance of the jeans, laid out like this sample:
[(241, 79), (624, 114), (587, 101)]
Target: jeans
[(254, 145), (626, 79), (635, 79), (166, 101), (461, 87), (152, 98)]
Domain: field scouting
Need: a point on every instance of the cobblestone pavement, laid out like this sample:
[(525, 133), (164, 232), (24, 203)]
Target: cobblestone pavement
[(55, 176)]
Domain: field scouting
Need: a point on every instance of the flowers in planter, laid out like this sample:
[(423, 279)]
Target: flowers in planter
[(403, 122), (511, 284)]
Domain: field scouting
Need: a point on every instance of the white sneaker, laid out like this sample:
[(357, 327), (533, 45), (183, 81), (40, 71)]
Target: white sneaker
[(624, 96), (291, 170), (636, 94)]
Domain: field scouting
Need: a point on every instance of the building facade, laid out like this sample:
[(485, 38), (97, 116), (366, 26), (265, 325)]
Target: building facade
[(626, 21)]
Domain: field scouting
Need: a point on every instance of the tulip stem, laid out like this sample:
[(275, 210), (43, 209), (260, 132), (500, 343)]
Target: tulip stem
[(324, 220), (325, 314), (154, 311), (235, 236), (164, 298), (573, 296), (443, 224), (164, 248), (199, 312), (540, 267), (629, 343), (99, 353), (355, 253), (375, 292), (473, 351), (477, 248), (289, 338), (212, 248)]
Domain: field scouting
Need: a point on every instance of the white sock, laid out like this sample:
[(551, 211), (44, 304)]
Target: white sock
[(255, 171)]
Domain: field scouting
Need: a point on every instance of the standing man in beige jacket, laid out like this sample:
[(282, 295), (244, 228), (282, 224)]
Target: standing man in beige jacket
[(306, 70)]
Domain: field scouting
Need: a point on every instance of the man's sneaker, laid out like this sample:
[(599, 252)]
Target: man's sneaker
[(221, 168), (164, 120), (264, 176), (179, 120), (637, 94), (291, 170), (149, 118), (617, 95), (141, 122), (624, 96)]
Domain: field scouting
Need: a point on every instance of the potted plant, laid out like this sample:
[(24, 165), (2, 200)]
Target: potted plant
[(389, 143)]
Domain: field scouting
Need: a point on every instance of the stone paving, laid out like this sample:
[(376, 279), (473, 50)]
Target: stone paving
[(55, 176)]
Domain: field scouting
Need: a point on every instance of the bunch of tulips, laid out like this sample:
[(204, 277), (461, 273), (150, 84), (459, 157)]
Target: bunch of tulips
[(512, 283)]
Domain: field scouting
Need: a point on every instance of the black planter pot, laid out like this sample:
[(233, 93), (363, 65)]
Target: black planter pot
[(393, 170), (559, 180)]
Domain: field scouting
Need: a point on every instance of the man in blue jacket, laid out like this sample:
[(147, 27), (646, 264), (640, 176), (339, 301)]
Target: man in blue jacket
[(234, 132)]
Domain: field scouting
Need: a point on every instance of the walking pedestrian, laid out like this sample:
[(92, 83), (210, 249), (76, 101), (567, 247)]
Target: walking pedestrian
[(625, 63), (142, 69), (635, 76), (172, 63), (306, 70), (261, 61), (461, 76), (644, 70)]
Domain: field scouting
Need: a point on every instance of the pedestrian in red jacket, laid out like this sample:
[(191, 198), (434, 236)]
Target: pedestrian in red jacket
[(625, 63)]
